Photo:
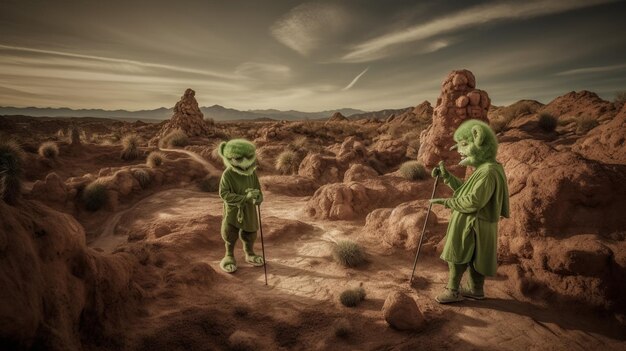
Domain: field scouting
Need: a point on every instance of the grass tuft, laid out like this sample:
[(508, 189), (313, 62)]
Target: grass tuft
[(352, 297), (155, 159), (413, 170), (12, 159), (143, 177), (287, 162), (130, 147), (176, 138), (95, 195), (49, 150), (342, 328), (349, 253), (547, 122)]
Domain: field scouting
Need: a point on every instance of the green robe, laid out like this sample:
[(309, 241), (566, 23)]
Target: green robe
[(476, 207), (237, 211)]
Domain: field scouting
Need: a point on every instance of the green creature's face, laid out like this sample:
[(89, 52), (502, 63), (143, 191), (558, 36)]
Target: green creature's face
[(476, 143), (240, 155)]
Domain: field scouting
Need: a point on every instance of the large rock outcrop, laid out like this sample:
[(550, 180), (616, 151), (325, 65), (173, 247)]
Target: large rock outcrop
[(574, 104), (459, 100), (187, 117), (55, 290), (607, 142), (566, 231)]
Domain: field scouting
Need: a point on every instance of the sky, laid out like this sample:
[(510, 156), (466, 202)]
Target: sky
[(307, 56)]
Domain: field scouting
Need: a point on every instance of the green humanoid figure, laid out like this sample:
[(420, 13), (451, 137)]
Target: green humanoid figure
[(477, 205), (241, 191)]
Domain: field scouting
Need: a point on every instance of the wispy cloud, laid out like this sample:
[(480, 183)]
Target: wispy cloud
[(263, 71), (305, 27), (595, 69), (121, 61), (355, 80), (375, 48)]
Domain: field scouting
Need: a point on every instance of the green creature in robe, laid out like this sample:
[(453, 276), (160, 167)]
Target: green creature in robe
[(477, 205), (241, 191)]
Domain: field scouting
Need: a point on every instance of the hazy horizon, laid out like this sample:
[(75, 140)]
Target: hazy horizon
[(304, 56)]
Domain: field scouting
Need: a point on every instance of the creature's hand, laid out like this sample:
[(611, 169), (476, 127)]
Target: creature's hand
[(438, 201), (252, 194), (440, 171)]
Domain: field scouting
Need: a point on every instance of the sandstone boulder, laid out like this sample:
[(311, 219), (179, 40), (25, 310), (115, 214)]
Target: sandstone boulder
[(51, 189), (607, 142), (401, 312)]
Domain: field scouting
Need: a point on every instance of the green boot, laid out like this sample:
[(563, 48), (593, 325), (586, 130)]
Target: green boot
[(228, 264), (449, 296)]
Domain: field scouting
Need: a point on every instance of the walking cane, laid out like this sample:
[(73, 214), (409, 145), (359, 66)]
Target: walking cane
[(419, 246), (258, 207)]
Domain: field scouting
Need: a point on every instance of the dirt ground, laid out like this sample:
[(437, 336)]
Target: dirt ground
[(300, 302)]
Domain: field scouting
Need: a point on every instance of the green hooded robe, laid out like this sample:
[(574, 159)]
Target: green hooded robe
[(237, 211), (476, 207)]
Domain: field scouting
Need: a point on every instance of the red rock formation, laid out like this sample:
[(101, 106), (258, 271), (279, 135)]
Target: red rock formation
[(584, 102), (187, 117), (337, 117), (459, 100), (607, 142)]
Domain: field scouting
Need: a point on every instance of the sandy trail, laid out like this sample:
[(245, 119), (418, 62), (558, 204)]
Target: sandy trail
[(301, 271)]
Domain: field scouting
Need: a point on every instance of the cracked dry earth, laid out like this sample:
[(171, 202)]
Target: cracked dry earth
[(297, 308)]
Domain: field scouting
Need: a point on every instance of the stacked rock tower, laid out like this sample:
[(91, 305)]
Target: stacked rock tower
[(187, 117), (459, 100)]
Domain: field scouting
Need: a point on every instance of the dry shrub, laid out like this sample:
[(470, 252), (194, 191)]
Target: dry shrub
[(95, 195), (349, 253), (155, 159), (352, 297), (130, 147), (287, 162), (49, 150), (176, 138), (547, 122), (413, 170), (143, 177), (12, 159), (74, 135), (585, 123)]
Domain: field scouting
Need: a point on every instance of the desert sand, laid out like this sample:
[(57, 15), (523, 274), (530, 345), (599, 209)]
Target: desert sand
[(138, 269)]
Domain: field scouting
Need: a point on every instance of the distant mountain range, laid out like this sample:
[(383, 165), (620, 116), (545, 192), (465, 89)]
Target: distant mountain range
[(217, 112)]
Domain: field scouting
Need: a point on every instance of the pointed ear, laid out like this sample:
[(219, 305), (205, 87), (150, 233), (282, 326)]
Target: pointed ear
[(478, 134), (220, 149)]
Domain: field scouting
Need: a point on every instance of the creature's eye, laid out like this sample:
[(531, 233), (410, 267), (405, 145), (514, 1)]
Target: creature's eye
[(464, 143)]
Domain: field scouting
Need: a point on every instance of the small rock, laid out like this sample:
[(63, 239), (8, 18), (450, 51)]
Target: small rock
[(401, 312)]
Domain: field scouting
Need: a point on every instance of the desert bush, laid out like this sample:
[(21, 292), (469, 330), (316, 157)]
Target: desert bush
[(413, 170), (547, 122), (287, 162), (176, 138), (143, 177), (210, 121), (585, 123), (12, 159), (352, 297), (49, 150), (342, 328), (74, 135), (349, 253), (209, 184), (155, 159), (130, 147), (95, 195), (60, 133)]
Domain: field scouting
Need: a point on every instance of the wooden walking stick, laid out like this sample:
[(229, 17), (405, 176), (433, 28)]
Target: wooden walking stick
[(419, 246), (258, 207)]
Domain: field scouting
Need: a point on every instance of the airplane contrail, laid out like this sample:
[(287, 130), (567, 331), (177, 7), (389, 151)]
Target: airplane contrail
[(355, 80)]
